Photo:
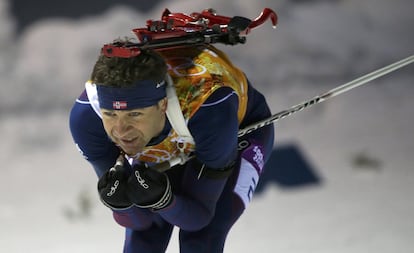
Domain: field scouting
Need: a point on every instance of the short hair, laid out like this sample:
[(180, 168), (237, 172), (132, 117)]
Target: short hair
[(122, 72)]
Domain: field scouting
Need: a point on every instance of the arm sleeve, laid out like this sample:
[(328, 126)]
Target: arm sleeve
[(89, 136), (257, 110), (214, 128)]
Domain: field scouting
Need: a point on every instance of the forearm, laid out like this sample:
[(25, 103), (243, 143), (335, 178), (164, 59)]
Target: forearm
[(195, 207)]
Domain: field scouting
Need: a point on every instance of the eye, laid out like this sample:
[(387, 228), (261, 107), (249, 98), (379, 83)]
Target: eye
[(108, 114), (135, 114)]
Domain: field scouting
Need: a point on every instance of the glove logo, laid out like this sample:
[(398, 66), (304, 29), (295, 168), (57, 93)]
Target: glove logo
[(140, 180), (113, 189)]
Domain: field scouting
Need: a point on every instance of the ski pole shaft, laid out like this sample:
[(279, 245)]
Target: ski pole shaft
[(327, 95)]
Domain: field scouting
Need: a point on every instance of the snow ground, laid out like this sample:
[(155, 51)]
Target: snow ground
[(49, 203)]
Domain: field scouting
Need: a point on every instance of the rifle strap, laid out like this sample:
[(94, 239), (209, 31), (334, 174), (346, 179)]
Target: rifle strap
[(175, 115)]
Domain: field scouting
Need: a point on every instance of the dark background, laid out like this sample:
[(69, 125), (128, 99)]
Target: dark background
[(27, 12)]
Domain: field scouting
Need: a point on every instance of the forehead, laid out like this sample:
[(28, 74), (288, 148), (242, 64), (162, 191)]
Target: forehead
[(127, 111)]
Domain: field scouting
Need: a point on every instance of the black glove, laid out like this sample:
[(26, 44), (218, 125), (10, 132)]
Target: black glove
[(112, 188), (148, 188)]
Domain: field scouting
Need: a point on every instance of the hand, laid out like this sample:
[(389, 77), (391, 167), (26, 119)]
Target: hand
[(112, 188), (148, 188)]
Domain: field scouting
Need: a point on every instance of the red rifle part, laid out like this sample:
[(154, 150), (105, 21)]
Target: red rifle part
[(178, 29)]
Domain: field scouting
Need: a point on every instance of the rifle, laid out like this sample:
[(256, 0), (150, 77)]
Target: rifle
[(179, 29)]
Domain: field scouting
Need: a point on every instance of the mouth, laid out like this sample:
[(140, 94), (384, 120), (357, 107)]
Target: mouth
[(131, 145), (128, 141)]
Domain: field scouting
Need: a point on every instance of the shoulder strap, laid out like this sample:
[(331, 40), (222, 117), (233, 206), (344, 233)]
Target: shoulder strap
[(175, 115)]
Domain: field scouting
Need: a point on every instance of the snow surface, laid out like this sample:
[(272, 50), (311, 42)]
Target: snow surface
[(48, 197)]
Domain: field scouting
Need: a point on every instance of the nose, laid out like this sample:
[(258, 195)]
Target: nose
[(121, 127)]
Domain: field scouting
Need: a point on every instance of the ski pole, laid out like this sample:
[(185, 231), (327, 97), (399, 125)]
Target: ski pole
[(315, 100), (327, 95)]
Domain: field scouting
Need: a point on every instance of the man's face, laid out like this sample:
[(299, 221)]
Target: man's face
[(133, 129)]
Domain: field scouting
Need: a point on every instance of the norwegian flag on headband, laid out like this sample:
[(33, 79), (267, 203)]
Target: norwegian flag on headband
[(119, 105)]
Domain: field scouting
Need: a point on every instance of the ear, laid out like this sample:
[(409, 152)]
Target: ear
[(163, 104)]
